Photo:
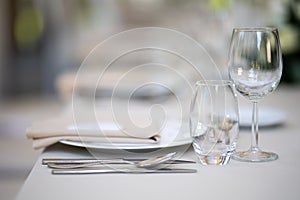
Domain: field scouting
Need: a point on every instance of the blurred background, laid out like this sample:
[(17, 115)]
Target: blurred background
[(40, 40)]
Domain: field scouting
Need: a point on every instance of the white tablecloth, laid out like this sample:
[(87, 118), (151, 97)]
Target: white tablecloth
[(279, 179)]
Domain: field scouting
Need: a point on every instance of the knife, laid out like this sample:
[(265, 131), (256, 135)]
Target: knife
[(46, 161), (122, 171)]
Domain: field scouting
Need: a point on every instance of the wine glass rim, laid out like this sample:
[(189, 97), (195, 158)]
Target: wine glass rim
[(254, 29), (214, 82)]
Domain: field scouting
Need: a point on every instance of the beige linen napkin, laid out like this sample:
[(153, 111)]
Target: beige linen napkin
[(48, 132)]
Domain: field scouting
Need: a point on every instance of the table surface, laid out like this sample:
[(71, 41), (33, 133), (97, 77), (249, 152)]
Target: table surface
[(279, 179)]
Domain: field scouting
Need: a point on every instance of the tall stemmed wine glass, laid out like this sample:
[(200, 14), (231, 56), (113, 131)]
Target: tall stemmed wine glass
[(255, 67)]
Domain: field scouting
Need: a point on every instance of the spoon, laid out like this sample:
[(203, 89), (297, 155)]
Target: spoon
[(148, 163)]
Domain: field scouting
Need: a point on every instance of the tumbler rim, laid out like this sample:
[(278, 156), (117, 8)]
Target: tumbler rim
[(255, 29)]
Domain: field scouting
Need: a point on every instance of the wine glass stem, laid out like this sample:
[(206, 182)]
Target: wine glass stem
[(254, 128)]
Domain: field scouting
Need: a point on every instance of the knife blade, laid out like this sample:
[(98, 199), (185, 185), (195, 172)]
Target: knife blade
[(122, 171)]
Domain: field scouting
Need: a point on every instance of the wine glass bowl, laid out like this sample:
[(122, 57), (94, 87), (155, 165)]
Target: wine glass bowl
[(255, 67)]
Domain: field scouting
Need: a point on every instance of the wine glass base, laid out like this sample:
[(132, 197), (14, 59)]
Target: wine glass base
[(255, 156)]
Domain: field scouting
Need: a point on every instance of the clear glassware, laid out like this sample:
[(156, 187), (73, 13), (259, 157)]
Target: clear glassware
[(214, 121), (255, 67)]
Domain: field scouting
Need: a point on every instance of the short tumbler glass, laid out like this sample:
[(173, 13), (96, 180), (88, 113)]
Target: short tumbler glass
[(214, 121)]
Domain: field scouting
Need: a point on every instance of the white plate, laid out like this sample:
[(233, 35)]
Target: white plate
[(167, 139), (162, 144), (266, 117)]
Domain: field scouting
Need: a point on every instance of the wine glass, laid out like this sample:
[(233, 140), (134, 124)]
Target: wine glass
[(255, 67)]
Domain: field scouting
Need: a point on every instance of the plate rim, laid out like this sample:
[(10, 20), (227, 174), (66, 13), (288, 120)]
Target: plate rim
[(179, 142), (280, 118)]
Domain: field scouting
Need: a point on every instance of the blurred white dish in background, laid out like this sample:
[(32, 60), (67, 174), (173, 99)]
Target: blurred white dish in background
[(143, 82), (266, 117)]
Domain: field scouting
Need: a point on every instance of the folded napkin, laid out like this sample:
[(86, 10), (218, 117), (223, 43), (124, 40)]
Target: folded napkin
[(48, 132), (112, 122)]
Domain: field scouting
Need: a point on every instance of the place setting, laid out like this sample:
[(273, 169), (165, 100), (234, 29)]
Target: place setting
[(153, 140), (124, 143)]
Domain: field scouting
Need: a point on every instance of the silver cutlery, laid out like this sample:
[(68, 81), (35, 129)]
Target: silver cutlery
[(122, 171), (46, 161), (69, 161), (147, 163)]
